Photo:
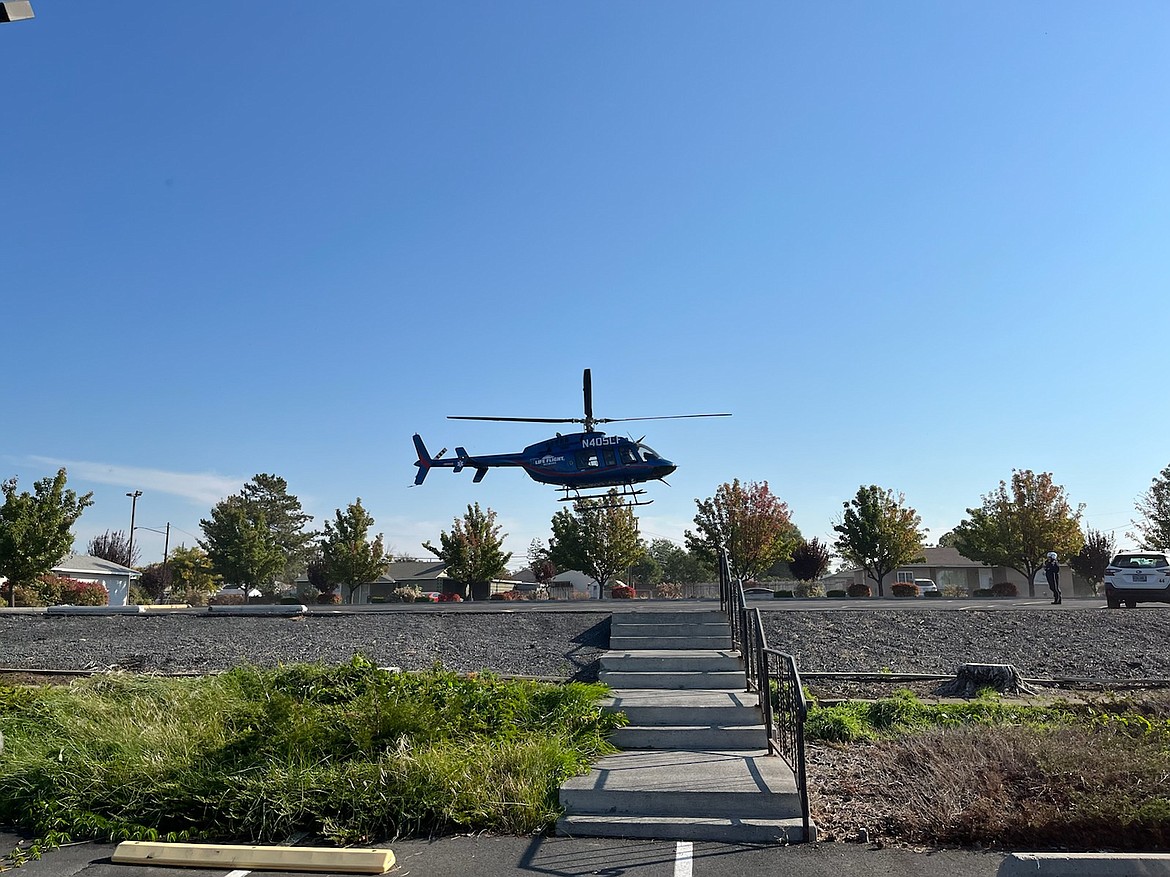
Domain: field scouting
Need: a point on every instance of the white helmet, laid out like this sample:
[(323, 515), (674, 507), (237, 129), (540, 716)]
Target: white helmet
[(1052, 555)]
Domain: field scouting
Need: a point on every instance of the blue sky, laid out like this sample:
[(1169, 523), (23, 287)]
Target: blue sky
[(914, 244)]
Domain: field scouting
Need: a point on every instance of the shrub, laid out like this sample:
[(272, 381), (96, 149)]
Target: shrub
[(404, 594), (859, 589), (195, 597), (508, 595), (783, 594), (623, 592), (982, 592), (836, 594), (77, 593), (808, 589), (25, 596), (904, 589), (932, 595), (332, 598), (1004, 589), (450, 597), (668, 591)]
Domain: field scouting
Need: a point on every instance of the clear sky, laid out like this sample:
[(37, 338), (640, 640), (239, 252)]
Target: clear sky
[(914, 244)]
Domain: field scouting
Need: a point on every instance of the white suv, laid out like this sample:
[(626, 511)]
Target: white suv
[(1137, 577)]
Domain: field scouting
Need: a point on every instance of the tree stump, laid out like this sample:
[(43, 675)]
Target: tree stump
[(1004, 678)]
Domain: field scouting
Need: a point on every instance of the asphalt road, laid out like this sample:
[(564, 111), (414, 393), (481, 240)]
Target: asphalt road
[(577, 857)]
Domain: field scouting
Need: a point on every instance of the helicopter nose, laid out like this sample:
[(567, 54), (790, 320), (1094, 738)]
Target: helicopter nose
[(663, 468)]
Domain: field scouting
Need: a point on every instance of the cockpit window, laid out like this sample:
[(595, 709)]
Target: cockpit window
[(628, 455), (648, 453)]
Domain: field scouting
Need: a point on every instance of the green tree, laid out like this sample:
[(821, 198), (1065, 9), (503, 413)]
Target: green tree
[(879, 533), (351, 557), (597, 536), (36, 529), (646, 571), (1090, 562), (267, 496), (1153, 530), (1016, 527), (678, 564), (241, 546), (810, 560), (191, 573), (473, 550), (114, 546), (751, 521)]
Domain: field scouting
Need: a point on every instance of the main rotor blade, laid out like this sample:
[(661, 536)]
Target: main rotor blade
[(662, 417), (587, 388), (521, 419)]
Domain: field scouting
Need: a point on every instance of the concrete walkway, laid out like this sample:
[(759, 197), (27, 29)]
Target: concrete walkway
[(695, 763)]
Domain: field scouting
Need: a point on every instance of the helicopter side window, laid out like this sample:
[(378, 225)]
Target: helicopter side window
[(628, 455), (588, 460), (610, 459)]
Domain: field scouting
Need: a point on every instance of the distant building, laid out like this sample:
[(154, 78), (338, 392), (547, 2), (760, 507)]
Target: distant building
[(113, 576)]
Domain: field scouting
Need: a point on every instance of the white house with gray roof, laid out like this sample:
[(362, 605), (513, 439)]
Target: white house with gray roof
[(114, 577)]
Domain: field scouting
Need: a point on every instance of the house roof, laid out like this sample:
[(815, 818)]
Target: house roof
[(573, 577), (946, 557), (87, 564), (401, 570)]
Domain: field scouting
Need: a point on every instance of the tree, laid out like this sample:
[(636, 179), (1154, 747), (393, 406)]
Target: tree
[(541, 565), (679, 565), (750, 521), (268, 496), (1017, 528), (810, 560), (598, 536), (154, 580), (1090, 562), (36, 529), (241, 546), (114, 546), (646, 571), (473, 550), (1153, 530), (317, 571), (351, 557), (191, 573), (879, 533)]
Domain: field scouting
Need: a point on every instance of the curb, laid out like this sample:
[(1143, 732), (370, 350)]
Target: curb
[(258, 609), (1086, 865), (95, 610)]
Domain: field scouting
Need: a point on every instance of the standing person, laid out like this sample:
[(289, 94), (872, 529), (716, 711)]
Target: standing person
[(1052, 573)]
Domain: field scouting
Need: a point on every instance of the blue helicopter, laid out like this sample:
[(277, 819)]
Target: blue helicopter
[(576, 462)]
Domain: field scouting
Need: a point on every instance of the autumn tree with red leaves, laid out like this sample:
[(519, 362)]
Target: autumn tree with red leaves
[(750, 521)]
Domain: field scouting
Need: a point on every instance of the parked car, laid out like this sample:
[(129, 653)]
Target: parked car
[(1137, 577), (925, 586)]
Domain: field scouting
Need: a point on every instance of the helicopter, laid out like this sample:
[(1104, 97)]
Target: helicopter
[(580, 461)]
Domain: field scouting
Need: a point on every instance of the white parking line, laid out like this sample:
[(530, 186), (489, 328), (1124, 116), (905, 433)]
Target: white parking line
[(237, 874), (683, 855)]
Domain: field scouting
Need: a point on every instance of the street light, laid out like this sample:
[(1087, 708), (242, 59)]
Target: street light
[(133, 504), (15, 10)]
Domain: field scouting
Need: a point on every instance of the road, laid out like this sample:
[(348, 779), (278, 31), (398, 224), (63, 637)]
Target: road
[(577, 857)]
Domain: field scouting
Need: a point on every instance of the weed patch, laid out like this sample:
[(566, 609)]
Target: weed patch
[(346, 753)]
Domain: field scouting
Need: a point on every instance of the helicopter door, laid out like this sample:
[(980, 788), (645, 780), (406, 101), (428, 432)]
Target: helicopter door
[(609, 459)]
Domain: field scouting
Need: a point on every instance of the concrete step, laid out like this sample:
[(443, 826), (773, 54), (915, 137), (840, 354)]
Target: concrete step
[(662, 706), (698, 784), (660, 629), (723, 830), (694, 660), (714, 736), (729, 680), (706, 616), (643, 643)]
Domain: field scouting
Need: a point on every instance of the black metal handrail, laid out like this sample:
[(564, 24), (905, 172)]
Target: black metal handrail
[(773, 675)]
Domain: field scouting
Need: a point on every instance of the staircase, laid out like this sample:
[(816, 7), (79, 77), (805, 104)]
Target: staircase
[(694, 764)]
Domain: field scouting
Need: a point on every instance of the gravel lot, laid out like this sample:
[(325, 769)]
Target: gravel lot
[(1078, 642)]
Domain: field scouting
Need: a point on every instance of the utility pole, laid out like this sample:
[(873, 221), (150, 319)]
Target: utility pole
[(133, 505)]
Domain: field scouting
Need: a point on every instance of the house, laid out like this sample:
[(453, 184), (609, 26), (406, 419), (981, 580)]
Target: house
[(113, 576), (427, 576), (953, 572)]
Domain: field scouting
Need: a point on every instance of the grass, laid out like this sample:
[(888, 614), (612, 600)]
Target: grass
[(996, 774), (349, 754)]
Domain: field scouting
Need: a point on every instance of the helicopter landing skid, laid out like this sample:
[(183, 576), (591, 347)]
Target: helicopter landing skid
[(628, 492)]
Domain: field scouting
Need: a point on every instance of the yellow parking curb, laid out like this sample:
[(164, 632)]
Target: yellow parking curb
[(345, 860)]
